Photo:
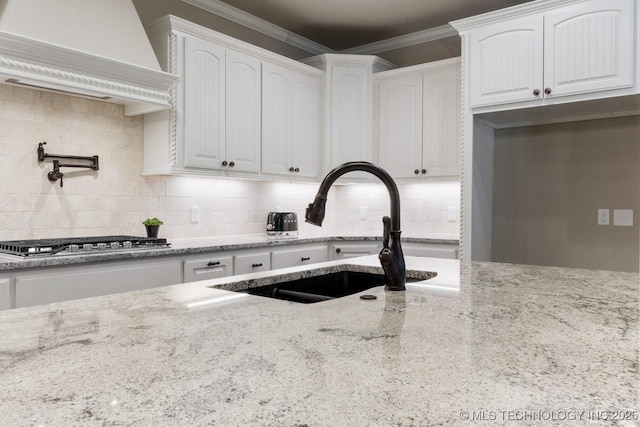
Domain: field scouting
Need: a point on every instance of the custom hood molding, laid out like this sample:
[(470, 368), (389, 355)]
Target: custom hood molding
[(89, 48)]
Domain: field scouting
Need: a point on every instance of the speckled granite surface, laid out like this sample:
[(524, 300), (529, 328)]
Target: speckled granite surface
[(507, 344), (189, 246)]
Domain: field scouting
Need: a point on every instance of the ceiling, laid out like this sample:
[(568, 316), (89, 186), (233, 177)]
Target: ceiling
[(344, 24)]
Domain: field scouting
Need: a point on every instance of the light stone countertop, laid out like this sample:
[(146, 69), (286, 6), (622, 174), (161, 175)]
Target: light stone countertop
[(509, 344), (193, 246)]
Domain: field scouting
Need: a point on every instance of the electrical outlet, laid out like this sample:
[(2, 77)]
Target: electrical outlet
[(195, 214), (603, 216), (363, 213)]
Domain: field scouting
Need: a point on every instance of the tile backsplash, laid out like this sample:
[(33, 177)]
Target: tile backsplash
[(116, 198)]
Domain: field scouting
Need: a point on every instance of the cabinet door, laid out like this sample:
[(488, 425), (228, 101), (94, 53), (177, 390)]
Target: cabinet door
[(252, 262), (210, 267), (441, 121), (204, 104), (283, 258), (243, 92), (432, 250), (588, 47), (350, 249), (305, 124), (276, 119), (5, 294), (68, 283), (351, 114), (506, 62), (399, 115)]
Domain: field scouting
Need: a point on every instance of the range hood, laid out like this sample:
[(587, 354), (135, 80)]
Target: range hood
[(90, 48)]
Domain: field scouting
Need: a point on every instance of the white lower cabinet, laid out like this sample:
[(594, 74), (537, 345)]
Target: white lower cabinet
[(24, 288), (49, 285), (252, 262), (298, 255), (341, 250), (210, 267), (5, 294), (432, 250)]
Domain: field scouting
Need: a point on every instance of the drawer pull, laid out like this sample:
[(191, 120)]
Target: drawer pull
[(305, 258), (256, 265), (212, 263)]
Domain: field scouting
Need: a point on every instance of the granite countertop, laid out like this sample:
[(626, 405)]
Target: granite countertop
[(509, 344), (193, 246)]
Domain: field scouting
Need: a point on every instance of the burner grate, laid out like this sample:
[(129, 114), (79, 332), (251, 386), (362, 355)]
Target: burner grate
[(79, 245)]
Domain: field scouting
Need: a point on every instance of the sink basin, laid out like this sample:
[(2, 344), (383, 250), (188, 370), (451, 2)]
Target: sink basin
[(319, 288)]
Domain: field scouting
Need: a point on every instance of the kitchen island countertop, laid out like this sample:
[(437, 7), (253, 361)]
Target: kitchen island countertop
[(507, 344)]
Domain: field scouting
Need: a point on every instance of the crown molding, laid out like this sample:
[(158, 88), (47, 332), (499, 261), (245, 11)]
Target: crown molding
[(250, 21), (267, 28), (513, 12), (406, 40)]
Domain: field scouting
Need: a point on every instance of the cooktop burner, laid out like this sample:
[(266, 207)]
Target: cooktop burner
[(79, 245)]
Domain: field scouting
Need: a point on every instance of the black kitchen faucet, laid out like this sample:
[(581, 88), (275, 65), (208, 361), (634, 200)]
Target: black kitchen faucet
[(390, 256)]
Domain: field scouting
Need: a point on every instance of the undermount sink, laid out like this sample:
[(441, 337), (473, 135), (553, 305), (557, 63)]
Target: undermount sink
[(320, 288)]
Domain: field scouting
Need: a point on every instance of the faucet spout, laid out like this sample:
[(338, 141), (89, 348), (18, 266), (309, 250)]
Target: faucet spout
[(391, 257)]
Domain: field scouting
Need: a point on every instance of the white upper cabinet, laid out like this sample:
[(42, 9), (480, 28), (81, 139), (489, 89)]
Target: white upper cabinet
[(418, 120), (579, 48), (216, 124), (290, 121), (348, 123), (221, 107)]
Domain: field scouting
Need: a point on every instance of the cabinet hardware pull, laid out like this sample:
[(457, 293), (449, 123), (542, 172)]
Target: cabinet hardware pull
[(224, 163), (232, 164), (416, 171), (291, 169), (536, 92), (305, 258), (212, 263), (547, 90), (338, 250), (424, 171), (296, 170), (256, 265)]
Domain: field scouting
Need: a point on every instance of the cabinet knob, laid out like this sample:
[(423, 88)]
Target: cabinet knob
[(212, 263), (296, 170), (224, 163), (338, 250), (305, 258), (256, 265), (232, 164), (416, 171), (547, 90), (291, 169), (536, 92), (424, 171)]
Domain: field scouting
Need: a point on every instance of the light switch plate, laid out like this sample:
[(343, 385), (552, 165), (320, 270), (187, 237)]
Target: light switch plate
[(452, 213), (623, 217), (195, 214)]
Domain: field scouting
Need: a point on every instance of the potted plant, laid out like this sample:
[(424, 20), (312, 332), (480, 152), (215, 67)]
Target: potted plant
[(152, 225)]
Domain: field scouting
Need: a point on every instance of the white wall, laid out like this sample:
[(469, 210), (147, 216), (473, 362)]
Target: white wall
[(115, 199)]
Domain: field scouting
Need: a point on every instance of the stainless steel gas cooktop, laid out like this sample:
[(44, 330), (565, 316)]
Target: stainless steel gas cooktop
[(80, 245)]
